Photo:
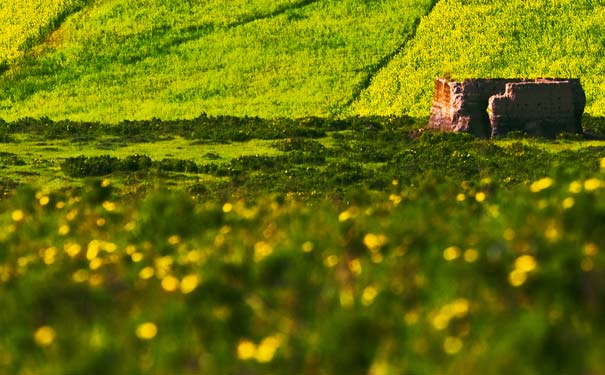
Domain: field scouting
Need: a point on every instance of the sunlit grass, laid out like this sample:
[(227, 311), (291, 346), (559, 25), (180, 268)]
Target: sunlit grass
[(113, 61), (468, 39)]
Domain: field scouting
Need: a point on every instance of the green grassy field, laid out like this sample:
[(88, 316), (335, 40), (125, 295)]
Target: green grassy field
[(281, 232), (494, 39), (112, 61)]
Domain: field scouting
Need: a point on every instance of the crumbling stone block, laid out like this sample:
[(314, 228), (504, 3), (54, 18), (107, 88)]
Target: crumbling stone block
[(544, 107)]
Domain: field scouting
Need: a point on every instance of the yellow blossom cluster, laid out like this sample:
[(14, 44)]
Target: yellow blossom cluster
[(375, 242), (541, 184), (263, 352), (523, 265), (457, 309)]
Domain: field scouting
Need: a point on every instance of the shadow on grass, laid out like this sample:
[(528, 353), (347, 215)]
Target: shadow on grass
[(594, 127)]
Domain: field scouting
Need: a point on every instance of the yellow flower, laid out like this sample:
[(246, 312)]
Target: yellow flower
[(174, 240), (307, 247), (64, 230), (246, 350), (146, 273), (267, 348), (72, 249), (509, 234), (471, 255), (552, 233), (93, 249), (110, 247), (96, 263), (452, 345), (146, 331), (517, 277), (262, 249), (480, 197), (590, 249), (396, 199), (189, 283), (460, 307), (374, 241), (109, 206), (592, 184), (80, 276), (525, 263), (575, 187), (541, 184), (44, 200), (368, 295), (451, 253), (346, 297), (170, 283), (330, 261), (440, 322), (355, 267), (568, 203), (17, 215), (44, 336), (227, 207), (348, 214)]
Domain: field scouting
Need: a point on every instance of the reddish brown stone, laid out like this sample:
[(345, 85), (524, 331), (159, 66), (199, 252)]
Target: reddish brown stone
[(544, 107)]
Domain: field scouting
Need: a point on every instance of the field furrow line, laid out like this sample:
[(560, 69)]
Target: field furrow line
[(199, 31), (276, 12), (384, 61)]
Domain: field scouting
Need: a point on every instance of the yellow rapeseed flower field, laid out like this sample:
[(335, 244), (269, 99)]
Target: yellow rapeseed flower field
[(22, 20)]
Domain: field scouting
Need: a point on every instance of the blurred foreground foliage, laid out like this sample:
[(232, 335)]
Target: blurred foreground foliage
[(441, 278), (365, 246)]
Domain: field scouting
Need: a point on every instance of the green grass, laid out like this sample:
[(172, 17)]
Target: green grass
[(113, 61), (494, 39)]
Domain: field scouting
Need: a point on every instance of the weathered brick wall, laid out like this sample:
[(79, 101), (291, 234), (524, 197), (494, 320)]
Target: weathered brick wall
[(463, 106), (538, 108), (441, 117)]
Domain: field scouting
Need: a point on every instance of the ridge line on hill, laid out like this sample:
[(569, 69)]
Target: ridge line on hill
[(383, 62), (202, 30), (278, 11), (53, 25)]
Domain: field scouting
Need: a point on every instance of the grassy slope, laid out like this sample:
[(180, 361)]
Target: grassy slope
[(476, 38), (22, 23), (168, 59)]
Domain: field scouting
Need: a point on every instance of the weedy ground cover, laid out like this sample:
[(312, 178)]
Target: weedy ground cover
[(363, 246)]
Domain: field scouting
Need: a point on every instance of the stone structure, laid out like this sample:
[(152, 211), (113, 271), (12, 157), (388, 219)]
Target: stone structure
[(493, 107)]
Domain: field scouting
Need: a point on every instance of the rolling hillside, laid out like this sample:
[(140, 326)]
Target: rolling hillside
[(174, 59), (477, 38), (111, 59)]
